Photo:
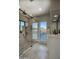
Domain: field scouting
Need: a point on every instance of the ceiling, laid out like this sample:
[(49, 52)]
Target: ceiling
[(38, 7)]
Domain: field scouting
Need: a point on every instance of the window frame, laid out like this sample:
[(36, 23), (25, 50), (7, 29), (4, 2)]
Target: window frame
[(20, 25)]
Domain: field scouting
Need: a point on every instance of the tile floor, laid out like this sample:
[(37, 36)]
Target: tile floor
[(35, 52)]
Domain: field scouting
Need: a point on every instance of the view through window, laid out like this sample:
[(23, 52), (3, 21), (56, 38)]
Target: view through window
[(39, 31), (21, 25)]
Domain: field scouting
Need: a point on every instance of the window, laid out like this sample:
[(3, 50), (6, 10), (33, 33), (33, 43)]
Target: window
[(43, 31), (21, 25), (35, 30), (39, 31)]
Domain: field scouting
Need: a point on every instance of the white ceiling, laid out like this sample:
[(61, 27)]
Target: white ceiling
[(37, 7)]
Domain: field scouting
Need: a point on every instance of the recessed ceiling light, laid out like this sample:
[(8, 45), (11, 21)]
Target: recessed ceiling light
[(31, 15), (40, 9), (55, 15)]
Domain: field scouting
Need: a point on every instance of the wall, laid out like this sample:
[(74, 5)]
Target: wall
[(24, 40), (54, 46), (55, 4), (58, 25), (44, 17)]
